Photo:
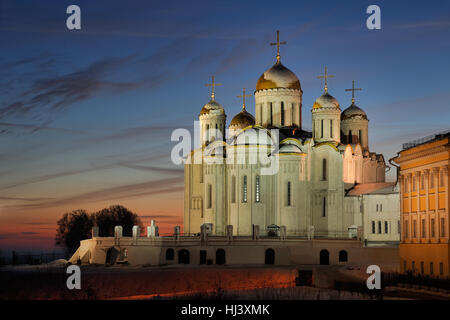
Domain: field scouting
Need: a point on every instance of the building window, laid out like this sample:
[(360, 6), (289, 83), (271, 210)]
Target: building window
[(360, 136), (321, 128), (441, 174), (331, 128), (324, 207), (282, 113), (271, 114), (432, 180), (350, 137), (288, 194), (422, 267), (442, 227), (244, 190), (233, 189), (343, 256), (209, 196), (377, 207), (324, 169), (414, 183), (431, 268), (257, 191), (433, 228), (207, 133), (423, 228), (379, 226), (386, 228), (406, 229), (170, 254), (441, 268), (422, 181), (373, 226), (381, 207), (415, 229)]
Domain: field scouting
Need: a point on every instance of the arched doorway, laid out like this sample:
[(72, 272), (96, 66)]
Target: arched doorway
[(111, 255), (324, 257), (220, 256), (183, 256), (343, 256), (170, 254), (270, 256)]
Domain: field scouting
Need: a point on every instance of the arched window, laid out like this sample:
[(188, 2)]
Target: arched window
[(257, 189), (331, 128), (233, 189), (288, 194), (360, 137), (207, 133), (220, 256), (244, 190), (209, 195), (170, 254), (183, 256), (271, 113), (324, 257), (343, 256), (350, 137), (324, 207), (321, 128), (282, 113), (432, 180), (441, 172), (270, 256), (324, 169)]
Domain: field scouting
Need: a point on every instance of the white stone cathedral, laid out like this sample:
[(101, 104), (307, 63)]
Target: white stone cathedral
[(314, 170)]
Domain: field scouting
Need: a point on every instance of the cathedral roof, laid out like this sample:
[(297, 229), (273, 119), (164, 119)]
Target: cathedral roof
[(326, 101), (353, 111), (212, 107), (242, 120), (278, 76)]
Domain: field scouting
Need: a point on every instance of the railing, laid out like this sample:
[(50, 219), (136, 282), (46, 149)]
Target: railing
[(423, 140)]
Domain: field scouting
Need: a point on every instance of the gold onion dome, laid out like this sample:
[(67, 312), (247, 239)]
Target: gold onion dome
[(212, 107), (326, 101), (353, 111), (278, 76), (242, 120)]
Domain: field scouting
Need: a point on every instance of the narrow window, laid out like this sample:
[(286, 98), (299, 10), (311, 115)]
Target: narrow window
[(244, 190), (386, 227), (442, 227), (381, 207), (288, 194), (432, 180), (442, 178), (350, 137), (360, 136), (321, 128), (377, 207), (422, 181), (207, 133), (209, 196), (324, 212), (233, 189), (431, 268), (292, 115), (423, 228), (282, 113), (271, 114), (406, 229), (441, 268), (433, 227), (415, 229), (257, 192), (379, 226), (331, 128), (373, 226), (422, 267), (324, 169), (414, 183)]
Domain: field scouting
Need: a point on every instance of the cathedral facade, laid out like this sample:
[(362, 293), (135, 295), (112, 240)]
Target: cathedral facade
[(266, 171)]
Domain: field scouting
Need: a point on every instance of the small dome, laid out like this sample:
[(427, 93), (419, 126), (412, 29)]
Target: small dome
[(353, 111), (212, 107), (278, 76), (326, 101), (289, 148), (242, 120)]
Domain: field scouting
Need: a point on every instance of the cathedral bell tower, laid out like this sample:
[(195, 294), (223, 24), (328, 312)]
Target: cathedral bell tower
[(326, 116), (212, 119)]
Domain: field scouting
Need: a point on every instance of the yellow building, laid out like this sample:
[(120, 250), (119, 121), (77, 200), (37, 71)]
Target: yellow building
[(424, 203)]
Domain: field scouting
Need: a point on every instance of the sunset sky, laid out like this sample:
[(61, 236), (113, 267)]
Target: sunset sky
[(86, 116)]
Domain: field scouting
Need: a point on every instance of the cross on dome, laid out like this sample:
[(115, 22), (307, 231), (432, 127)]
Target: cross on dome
[(243, 98), (353, 89), (278, 44), (213, 84), (326, 76)]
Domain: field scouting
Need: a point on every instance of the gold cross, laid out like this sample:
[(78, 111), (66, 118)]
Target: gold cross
[(278, 44), (213, 85), (353, 89), (243, 98), (326, 76)]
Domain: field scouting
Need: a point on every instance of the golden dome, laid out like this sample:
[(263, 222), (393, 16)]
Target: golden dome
[(212, 107), (242, 120), (326, 101), (278, 76), (353, 111)]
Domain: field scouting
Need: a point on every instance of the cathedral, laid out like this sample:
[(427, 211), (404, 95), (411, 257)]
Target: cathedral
[(265, 170)]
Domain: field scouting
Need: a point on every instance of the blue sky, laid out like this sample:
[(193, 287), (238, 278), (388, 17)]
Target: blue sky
[(86, 116)]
